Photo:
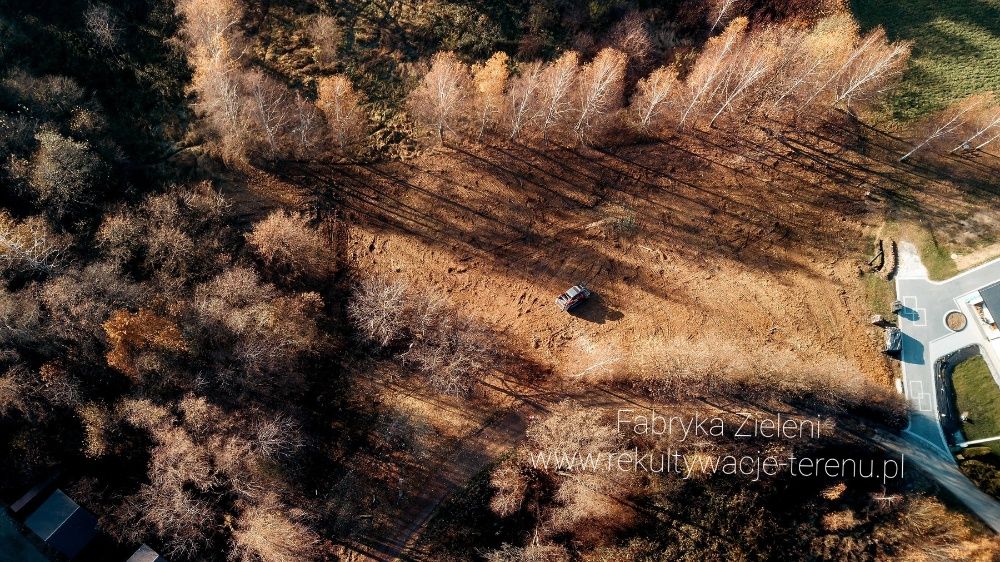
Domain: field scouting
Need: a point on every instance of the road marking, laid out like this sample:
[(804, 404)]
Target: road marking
[(921, 319), (920, 398)]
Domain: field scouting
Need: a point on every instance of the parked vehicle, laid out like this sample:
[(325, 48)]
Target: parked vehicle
[(573, 297), (893, 340)]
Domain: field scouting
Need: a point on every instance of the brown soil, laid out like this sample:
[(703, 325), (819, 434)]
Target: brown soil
[(956, 321), (750, 243), (753, 246)]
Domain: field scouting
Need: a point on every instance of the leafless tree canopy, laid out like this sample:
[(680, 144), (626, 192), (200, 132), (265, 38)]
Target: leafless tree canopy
[(341, 106), (28, 247), (102, 25), (437, 102), (776, 72), (377, 309), (447, 348), (289, 245)]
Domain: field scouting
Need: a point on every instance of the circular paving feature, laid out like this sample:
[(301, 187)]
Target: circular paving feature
[(956, 321)]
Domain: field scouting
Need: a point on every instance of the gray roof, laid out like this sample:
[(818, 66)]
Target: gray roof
[(62, 524), (991, 296), (146, 554)]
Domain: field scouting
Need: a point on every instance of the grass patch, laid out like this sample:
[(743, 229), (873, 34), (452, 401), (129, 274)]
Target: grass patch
[(880, 294), (977, 393), (937, 259), (956, 49)]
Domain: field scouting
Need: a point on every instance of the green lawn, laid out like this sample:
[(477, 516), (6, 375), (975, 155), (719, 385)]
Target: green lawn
[(880, 294), (936, 257), (977, 393), (956, 49)]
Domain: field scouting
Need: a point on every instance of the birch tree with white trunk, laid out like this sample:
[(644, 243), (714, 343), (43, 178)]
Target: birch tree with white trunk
[(600, 90), (438, 100), (556, 94), (653, 95), (950, 121), (703, 78), (745, 67), (984, 128), (877, 61), (268, 106), (522, 98), (719, 11), (809, 58)]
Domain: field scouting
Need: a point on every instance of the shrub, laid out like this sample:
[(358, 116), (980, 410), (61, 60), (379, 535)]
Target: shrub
[(66, 174), (289, 245)]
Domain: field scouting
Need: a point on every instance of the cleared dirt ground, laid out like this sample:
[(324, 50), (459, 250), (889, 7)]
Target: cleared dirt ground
[(702, 237), (747, 246)]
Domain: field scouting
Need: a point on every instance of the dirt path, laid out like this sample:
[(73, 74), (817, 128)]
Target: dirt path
[(448, 476), (468, 458)]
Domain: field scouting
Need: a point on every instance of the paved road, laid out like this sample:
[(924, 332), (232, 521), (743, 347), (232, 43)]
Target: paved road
[(926, 338), (945, 473)]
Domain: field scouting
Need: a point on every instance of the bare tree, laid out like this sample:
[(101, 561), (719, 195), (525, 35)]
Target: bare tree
[(217, 82), (65, 173), (255, 329), (96, 423), (341, 106), (653, 93), (489, 82), (704, 76), (558, 82), (522, 98), (719, 12), (211, 26), (744, 68), (268, 108), (510, 484), (872, 65), (600, 90), (306, 130), (276, 437), (377, 310), (325, 35), (248, 112), (16, 390), (808, 58), (28, 247), (631, 35), (437, 100), (272, 533), (983, 128), (288, 244), (102, 25), (942, 127), (531, 553), (176, 515), (449, 349)]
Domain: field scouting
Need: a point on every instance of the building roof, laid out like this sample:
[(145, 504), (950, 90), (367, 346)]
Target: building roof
[(62, 524), (146, 554), (991, 297)]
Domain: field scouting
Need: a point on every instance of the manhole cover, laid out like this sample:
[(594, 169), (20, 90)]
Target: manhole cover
[(955, 320)]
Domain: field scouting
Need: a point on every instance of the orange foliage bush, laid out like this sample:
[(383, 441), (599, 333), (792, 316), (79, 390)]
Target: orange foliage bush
[(130, 334)]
